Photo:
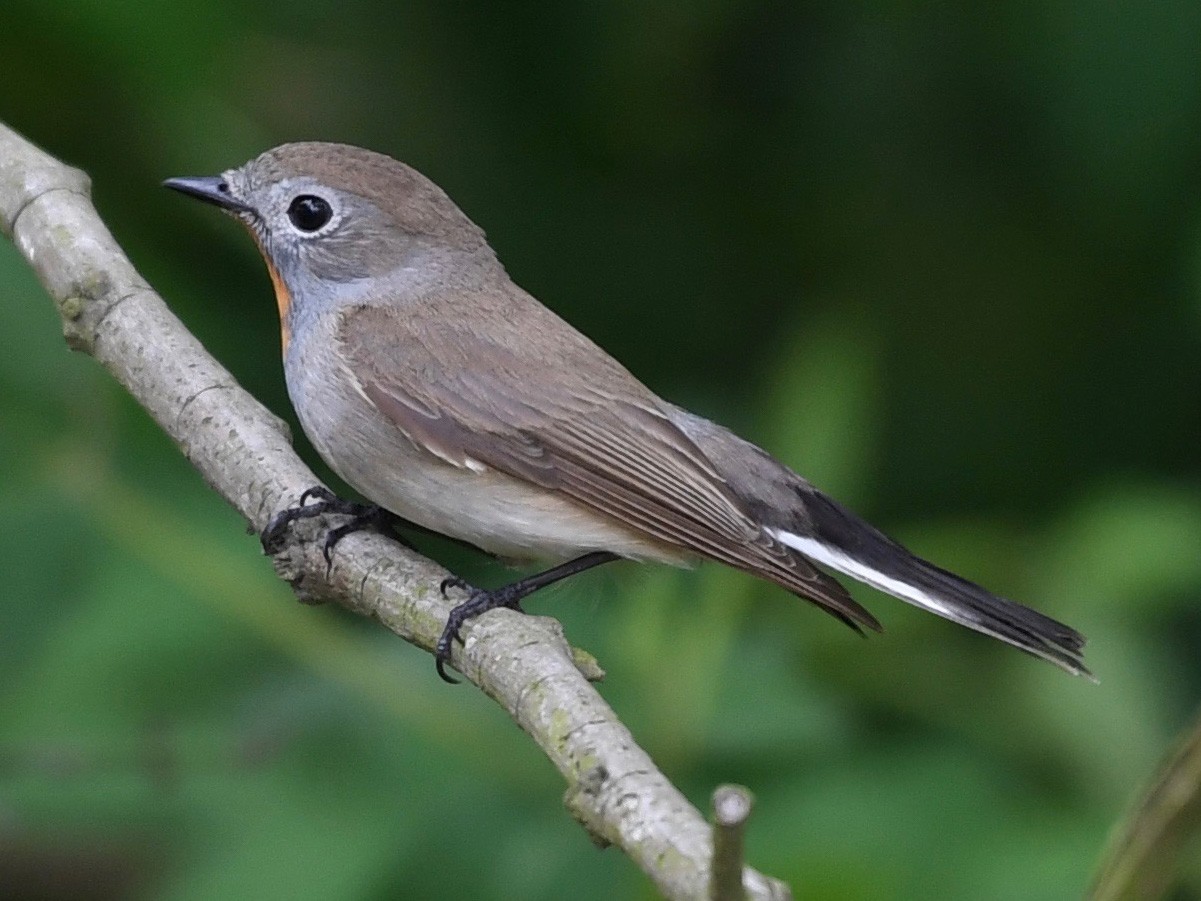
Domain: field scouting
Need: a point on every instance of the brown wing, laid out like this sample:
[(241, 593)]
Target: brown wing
[(462, 389)]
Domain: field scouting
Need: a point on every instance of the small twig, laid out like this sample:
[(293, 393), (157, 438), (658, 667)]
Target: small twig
[(1141, 859), (732, 805)]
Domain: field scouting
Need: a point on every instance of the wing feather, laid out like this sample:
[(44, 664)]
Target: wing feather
[(596, 434)]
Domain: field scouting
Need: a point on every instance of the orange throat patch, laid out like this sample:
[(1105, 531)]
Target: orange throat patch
[(283, 299)]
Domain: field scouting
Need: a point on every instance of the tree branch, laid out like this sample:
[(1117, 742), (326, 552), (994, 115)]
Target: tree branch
[(244, 453), (732, 806)]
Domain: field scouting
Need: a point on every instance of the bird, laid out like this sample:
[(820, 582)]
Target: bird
[(449, 397)]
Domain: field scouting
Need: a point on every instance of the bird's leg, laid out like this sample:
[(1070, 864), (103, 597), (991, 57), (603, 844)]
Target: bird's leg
[(363, 516), (480, 600)]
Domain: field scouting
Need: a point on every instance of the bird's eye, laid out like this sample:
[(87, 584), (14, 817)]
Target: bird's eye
[(309, 212)]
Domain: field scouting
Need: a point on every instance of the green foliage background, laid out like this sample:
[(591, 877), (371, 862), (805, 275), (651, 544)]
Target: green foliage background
[(945, 261)]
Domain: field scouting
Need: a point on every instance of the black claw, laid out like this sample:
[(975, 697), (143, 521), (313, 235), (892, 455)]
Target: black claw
[(272, 538), (332, 537), (442, 652), (363, 516), (480, 601), (473, 606), (451, 582), (321, 493), (450, 633)]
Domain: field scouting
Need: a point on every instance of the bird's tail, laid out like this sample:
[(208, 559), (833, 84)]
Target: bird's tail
[(829, 534)]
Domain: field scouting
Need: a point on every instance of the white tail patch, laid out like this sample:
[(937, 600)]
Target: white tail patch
[(838, 560), (1002, 619)]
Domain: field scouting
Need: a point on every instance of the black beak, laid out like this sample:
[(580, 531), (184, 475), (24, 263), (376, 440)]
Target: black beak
[(210, 189)]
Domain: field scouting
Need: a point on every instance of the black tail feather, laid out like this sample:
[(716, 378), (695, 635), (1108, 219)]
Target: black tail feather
[(829, 534)]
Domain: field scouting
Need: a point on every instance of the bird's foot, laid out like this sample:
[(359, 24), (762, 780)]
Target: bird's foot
[(511, 595), (362, 516), (478, 601)]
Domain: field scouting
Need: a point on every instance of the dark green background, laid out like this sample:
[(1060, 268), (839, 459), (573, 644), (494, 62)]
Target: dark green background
[(946, 262)]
